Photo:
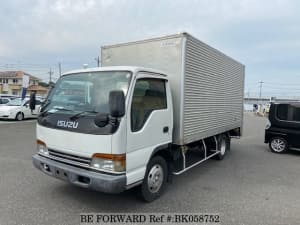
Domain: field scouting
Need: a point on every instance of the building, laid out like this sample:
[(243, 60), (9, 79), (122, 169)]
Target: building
[(40, 90), (11, 83)]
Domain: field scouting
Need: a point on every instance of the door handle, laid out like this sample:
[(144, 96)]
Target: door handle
[(166, 129)]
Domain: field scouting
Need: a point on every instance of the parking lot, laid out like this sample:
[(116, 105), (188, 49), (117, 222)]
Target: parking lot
[(250, 186)]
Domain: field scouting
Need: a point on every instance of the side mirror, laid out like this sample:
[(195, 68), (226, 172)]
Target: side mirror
[(101, 119), (26, 105), (117, 104)]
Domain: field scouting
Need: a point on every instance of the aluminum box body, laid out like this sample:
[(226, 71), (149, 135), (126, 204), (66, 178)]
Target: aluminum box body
[(207, 86)]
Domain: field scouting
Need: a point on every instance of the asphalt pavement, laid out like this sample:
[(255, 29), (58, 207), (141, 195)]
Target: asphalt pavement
[(250, 186)]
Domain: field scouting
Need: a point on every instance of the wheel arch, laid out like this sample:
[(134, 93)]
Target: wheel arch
[(274, 134), (164, 151)]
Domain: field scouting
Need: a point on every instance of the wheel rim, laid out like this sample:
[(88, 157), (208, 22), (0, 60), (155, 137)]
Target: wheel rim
[(20, 116), (278, 145), (155, 178), (223, 147)]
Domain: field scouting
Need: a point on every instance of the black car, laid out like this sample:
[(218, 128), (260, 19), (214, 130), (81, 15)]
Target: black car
[(283, 129)]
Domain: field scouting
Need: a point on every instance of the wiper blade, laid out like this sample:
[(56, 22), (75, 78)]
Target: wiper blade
[(62, 109), (43, 113), (56, 108), (75, 116)]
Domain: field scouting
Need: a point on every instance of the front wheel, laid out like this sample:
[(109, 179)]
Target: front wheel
[(278, 145), (155, 179), (19, 116)]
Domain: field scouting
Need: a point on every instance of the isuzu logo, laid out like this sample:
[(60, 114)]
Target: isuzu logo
[(67, 124)]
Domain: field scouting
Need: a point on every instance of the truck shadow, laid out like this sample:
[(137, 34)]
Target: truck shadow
[(93, 201)]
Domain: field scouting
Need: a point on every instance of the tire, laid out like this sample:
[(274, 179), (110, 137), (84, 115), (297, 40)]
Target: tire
[(19, 116), (278, 145), (155, 179), (223, 145)]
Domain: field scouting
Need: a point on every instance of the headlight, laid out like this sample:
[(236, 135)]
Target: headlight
[(112, 163), (42, 148)]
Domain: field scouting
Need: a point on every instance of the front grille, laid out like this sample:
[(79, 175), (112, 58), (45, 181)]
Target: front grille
[(69, 157)]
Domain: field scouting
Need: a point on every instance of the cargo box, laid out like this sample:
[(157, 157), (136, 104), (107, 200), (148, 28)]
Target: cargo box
[(207, 86)]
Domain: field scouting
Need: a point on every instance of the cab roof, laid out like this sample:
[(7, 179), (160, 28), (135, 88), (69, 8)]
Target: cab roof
[(133, 69)]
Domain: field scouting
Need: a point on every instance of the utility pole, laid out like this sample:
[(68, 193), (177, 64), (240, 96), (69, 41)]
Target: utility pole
[(98, 61), (50, 75), (59, 69), (260, 88)]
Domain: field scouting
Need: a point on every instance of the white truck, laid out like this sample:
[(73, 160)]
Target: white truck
[(156, 108)]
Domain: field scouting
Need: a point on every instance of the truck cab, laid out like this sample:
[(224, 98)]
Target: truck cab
[(104, 129)]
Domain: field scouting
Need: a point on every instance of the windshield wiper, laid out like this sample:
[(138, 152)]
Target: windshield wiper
[(76, 116), (62, 109), (55, 107)]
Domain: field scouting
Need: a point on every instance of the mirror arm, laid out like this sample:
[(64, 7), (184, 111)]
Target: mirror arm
[(114, 121)]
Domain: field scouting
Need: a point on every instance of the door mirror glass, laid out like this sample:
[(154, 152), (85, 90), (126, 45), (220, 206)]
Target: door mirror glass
[(117, 104)]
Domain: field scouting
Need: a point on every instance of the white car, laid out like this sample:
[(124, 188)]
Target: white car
[(19, 109)]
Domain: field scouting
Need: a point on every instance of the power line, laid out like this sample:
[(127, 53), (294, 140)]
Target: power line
[(282, 84)]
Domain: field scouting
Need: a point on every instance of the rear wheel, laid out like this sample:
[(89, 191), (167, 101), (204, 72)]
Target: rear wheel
[(19, 116), (223, 146), (278, 145), (155, 179)]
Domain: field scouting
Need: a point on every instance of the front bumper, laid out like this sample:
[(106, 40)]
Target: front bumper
[(84, 178), (7, 116)]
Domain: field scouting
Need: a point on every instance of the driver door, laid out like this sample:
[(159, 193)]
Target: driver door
[(149, 123)]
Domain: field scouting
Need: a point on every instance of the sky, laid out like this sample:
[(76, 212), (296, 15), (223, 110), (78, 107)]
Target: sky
[(36, 35)]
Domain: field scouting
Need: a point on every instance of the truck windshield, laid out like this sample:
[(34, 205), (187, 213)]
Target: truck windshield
[(87, 91)]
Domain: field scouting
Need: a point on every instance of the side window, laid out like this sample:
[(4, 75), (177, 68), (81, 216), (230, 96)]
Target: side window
[(295, 113), (4, 101), (282, 112), (288, 112), (149, 95), (38, 102)]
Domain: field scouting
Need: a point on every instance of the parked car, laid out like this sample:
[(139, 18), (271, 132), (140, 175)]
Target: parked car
[(283, 128), (19, 109)]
